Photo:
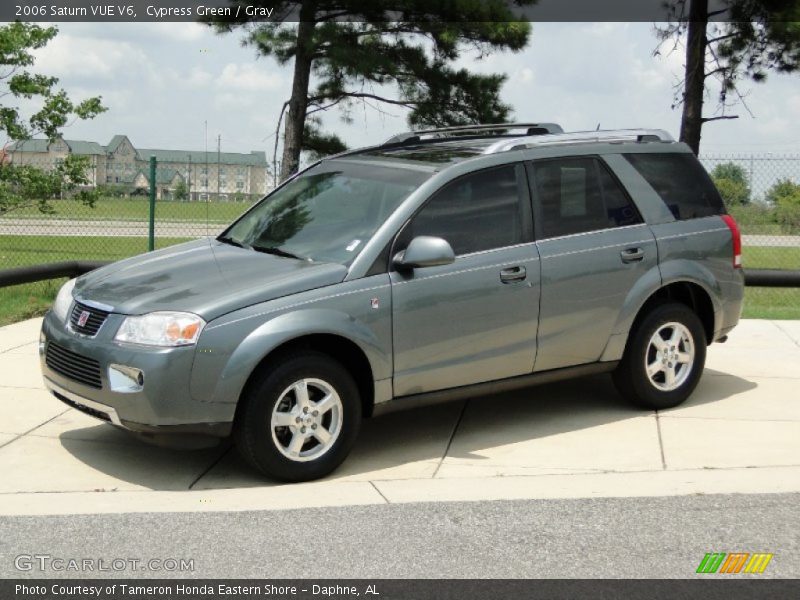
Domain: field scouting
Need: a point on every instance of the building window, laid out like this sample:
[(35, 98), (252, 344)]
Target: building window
[(240, 185)]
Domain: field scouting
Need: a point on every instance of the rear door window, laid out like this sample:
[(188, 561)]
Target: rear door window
[(578, 195), (682, 183)]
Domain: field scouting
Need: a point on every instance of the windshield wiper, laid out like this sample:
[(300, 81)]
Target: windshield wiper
[(277, 252), (226, 239)]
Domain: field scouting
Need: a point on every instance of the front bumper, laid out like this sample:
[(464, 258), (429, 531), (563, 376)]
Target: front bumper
[(163, 404)]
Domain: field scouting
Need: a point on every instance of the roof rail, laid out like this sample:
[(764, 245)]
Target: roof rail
[(410, 137), (610, 136)]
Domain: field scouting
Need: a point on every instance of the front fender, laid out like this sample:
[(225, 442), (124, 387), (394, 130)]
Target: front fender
[(226, 384)]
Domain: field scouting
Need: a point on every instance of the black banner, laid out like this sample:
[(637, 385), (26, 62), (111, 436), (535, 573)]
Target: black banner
[(730, 588), (264, 10)]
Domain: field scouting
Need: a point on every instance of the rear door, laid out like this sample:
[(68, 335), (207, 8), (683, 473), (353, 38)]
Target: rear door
[(473, 320), (593, 246)]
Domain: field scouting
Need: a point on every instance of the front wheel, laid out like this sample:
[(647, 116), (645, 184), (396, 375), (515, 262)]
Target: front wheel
[(664, 358), (300, 418)]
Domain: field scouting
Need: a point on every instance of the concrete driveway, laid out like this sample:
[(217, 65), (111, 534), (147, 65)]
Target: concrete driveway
[(739, 433)]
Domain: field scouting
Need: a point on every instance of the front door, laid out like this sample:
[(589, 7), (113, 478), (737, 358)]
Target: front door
[(474, 320), (594, 247)]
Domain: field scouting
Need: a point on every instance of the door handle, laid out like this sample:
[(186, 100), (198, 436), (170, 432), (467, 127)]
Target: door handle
[(512, 274), (630, 255)]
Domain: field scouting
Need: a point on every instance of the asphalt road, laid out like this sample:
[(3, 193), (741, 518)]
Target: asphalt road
[(591, 538)]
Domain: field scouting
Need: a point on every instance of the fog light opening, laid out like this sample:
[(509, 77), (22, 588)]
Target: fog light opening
[(125, 379)]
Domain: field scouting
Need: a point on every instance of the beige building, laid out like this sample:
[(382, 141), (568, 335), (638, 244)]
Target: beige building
[(223, 175)]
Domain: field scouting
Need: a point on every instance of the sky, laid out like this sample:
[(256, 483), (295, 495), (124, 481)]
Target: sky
[(163, 81)]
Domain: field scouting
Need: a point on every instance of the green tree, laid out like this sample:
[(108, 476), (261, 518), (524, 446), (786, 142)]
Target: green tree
[(752, 38), (784, 195), (784, 192), (181, 191), (381, 52), (732, 182), (26, 185)]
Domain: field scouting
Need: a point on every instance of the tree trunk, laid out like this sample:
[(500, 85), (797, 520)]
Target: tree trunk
[(298, 103), (695, 78)]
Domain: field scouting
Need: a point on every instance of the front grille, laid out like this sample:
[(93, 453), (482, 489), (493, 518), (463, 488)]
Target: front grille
[(69, 364), (84, 409), (95, 318)]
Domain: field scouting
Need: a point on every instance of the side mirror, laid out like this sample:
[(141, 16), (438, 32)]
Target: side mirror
[(425, 251)]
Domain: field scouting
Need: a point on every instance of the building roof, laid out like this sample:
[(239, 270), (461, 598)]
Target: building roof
[(81, 147), (255, 159), (115, 142), (162, 175), (76, 146)]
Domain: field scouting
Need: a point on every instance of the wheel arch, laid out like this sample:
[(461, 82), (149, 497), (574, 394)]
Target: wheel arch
[(332, 332), (689, 293), (341, 349)]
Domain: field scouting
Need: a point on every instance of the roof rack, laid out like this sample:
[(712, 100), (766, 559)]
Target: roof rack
[(412, 137), (610, 136)]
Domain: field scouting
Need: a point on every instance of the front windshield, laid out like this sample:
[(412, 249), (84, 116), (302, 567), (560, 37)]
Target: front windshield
[(328, 213)]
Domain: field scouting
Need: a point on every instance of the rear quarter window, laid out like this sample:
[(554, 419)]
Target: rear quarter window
[(682, 183)]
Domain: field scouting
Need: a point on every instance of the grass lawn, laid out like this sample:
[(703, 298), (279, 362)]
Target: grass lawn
[(16, 251), (20, 302), (760, 257), (138, 209), (30, 300), (771, 303)]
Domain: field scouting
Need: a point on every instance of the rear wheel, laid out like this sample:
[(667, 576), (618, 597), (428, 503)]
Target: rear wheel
[(664, 358), (300, 418)]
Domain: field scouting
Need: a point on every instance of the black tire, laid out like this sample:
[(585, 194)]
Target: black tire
[(630, 376), (253, 434)]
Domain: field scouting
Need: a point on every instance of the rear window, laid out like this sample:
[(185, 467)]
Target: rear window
[(682, 183)]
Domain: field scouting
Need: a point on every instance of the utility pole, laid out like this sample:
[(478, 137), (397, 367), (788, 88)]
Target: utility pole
[(151, 234), (219, 163), (189, 176)]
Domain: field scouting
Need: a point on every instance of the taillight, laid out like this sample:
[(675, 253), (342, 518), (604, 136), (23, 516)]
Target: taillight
[(737, 240)]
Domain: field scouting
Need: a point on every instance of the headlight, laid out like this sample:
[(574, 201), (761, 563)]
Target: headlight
[(64, 300), (161, 329)]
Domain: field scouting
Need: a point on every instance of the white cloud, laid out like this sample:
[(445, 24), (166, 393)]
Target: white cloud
[(183, 31), (197, 77), (249, 77), (525, 75), (67, 56), (162, 82)]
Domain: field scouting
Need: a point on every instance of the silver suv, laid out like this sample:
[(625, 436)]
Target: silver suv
[(439, 265)]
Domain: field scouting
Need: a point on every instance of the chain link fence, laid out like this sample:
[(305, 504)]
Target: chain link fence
[(193, 200), (762, 191), (200, 198)]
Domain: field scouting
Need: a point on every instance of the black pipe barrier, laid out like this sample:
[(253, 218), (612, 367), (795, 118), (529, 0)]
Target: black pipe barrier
[(33, 273), (73, 268), (771, 278)]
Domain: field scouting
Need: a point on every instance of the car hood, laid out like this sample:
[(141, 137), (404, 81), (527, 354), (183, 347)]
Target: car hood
[(205, 277)]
